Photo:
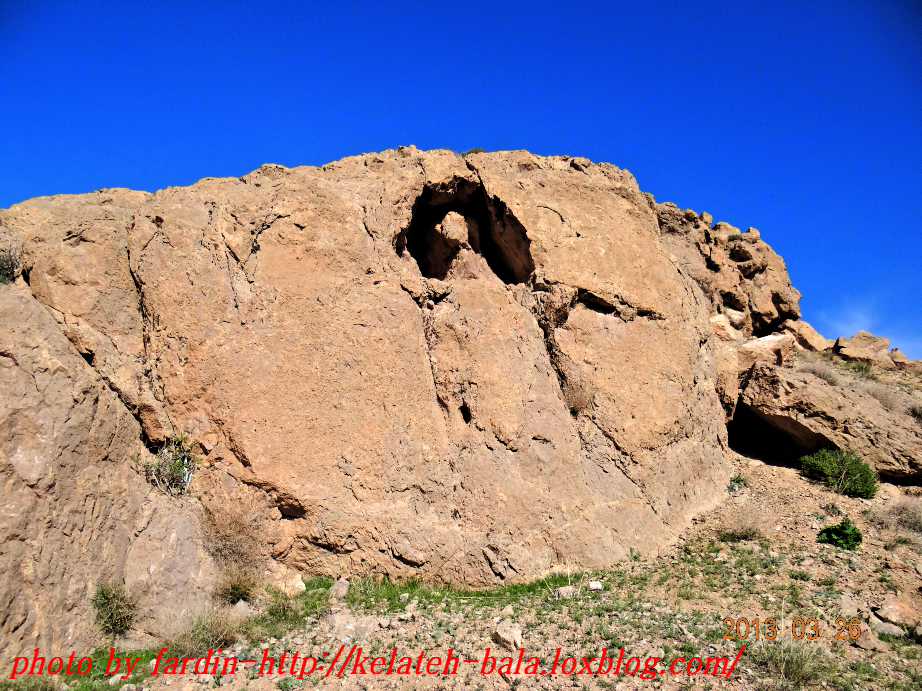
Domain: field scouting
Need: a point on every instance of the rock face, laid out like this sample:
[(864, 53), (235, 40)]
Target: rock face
[(467, 369), (786, 413)]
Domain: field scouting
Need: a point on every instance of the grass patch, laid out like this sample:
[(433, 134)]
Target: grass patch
[(385, 595), (282, 614), (237, 583), (212, 630), (746, 533), (115, 609), (822, 370), (172, 467), (862, 370), (790, 665), (799, 575), (841, 471), (844, 535)]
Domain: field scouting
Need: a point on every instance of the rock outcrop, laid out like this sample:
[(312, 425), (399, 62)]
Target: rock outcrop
[(467, 369)]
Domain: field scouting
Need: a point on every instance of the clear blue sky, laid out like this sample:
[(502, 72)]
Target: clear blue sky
[(802, 119)]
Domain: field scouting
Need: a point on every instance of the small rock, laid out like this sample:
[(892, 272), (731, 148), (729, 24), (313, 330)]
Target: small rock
[(340, 589), (899, 611), (596, 586), (243, 609), (508, 634), (403, 597), (115, 680), (565, 592), (883, 627), (869, 641), (506, 612), (848, 606)]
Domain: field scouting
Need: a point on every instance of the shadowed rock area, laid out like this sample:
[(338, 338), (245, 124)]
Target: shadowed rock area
[(471, 369)]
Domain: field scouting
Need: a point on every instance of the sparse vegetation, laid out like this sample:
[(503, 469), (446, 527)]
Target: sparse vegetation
[(742, 533), (889, 397), (475, 150), (862, 370), (10, 261), (822, 370), (844, 535), (172, 467), (907, 514), (737, 482), (916, 411), (237, 582), (789, 664), (281, 614), (233, 536), (114, 607), (842, 471), (213, 630)]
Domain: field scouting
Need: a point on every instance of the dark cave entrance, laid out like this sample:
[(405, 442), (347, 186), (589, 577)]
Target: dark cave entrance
[(771, 438), (495, 232)]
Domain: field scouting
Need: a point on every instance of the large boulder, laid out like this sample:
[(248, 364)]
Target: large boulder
[(469, 369), (785, 412)]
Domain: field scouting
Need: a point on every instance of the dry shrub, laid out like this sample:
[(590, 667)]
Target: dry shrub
[(233, 537), (890, 398), (212, 630), (907, 513), (237, 582), (822, 370)]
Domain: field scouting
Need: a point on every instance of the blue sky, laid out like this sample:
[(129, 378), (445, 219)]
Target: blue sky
[(802, 119)]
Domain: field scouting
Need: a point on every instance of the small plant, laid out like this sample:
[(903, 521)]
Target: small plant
[(10, 262), (799, 575), (844, 535), (831, 509), (908, 514), (789, 664), (172, 467), (212, 630), (737, 482), (842, 471), (746, 533), (887, 396), (916, 411), (862, 370), (234, 537), (475, 150), (115, 609), (823, 371), (238, 582)]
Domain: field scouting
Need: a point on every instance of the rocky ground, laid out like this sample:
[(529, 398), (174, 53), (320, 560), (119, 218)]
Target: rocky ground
[(756, 555)]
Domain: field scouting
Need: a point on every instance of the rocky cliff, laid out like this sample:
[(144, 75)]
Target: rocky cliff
[(467, 369)]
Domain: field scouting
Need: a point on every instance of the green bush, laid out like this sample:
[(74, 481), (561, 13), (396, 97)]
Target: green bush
[(212, 630), (844, 535), (115, 609), (842, 471), (172, 467)]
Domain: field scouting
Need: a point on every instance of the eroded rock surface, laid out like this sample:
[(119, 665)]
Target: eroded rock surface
[(468, 369)]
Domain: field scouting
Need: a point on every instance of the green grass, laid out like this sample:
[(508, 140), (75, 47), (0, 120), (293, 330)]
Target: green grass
[(841, 471), (790, 665), (95, 681)]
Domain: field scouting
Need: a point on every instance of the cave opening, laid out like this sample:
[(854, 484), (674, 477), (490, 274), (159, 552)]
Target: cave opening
[(771, 438), (494, 232)]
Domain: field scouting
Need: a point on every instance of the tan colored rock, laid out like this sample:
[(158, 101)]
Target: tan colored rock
[(76, 510), (776, 349), (901, 610), (738, 272), (806, 336), (802, 412), (865, 347), (472, 370)]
